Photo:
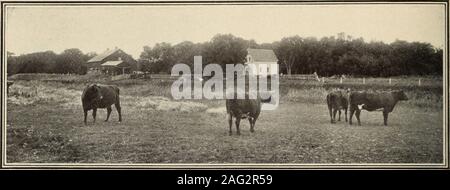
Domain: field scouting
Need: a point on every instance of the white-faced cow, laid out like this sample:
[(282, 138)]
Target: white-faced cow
[(371, 101), (244, 108)]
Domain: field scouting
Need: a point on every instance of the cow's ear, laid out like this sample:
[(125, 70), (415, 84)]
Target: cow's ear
[(94, 87)]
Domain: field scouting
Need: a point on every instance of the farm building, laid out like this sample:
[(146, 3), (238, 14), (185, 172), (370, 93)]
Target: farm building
[(262, 62), (112, 62)]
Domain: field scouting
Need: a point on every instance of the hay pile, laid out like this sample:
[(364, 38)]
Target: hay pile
[(163, 104), (35, 92)]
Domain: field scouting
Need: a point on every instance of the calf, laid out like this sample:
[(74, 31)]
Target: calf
[(337, 100), (372, 101), (244, 108), (100, 96)]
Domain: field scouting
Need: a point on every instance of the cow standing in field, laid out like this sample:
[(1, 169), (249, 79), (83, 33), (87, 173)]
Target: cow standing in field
[(244, 108), (100, 96), (336, 101), (372, 101)]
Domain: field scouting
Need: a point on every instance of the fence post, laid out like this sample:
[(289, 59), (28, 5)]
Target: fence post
[(323, 79), (419, 82), (390, 81), (341, 80), (364, 80)]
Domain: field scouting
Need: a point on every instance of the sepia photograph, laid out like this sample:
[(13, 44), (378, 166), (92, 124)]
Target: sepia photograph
[(285, 85)]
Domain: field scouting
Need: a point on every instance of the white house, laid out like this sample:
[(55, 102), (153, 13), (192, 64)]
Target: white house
[(262, 62)]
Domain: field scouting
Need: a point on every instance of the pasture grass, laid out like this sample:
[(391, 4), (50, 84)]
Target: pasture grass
[(304, 136), (157, 129)]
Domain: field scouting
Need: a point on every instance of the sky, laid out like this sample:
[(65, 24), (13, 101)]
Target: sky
[(97, 28)]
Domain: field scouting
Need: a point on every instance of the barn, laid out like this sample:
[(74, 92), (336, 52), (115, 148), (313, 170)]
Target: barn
[(261, 62), (112, 62)]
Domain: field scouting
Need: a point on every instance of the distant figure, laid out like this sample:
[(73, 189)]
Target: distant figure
[(372, 101), (100, 96), (317, 76), (336, 101), (244, 108)]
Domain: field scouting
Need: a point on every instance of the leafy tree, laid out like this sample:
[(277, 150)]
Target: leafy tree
[(184, 52), (40, 62), (225, 49), (161, 57), (288, 52), (71, 61)]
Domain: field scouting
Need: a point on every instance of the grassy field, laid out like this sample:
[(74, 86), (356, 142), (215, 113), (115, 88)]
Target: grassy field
[(44, 125)]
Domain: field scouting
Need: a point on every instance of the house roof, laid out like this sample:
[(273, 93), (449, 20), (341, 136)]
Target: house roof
[(103, 55), (112, 63), (262, 55)]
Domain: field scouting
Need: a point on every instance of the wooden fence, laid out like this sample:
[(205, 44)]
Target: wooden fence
[(300, 77), (394, 81), (120, 77)]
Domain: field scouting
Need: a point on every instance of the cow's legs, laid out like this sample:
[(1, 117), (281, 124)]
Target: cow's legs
[(108, 109), (345, 115), (334, 115), (252, 124), (230, 122), (339, 119), (385, 116), (94, 113), (358, 112), (238, 120), (85, 116), (119, 110), (331, 112), (352, 111)]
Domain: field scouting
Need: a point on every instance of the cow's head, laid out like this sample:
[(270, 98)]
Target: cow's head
[(401, 95), (93, 94)]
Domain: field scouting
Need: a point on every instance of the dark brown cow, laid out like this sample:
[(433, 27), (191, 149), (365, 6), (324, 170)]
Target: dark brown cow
[(100, 96), (372, 101), (337, 100), (244, 108)]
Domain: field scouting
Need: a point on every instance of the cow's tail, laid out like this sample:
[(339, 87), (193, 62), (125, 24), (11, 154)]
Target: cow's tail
[(329, 103), (117, 91), (329, 100), (117, 96)]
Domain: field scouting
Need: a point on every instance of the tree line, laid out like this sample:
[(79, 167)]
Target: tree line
[(70, 61), (297, 55), (334, 55)]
